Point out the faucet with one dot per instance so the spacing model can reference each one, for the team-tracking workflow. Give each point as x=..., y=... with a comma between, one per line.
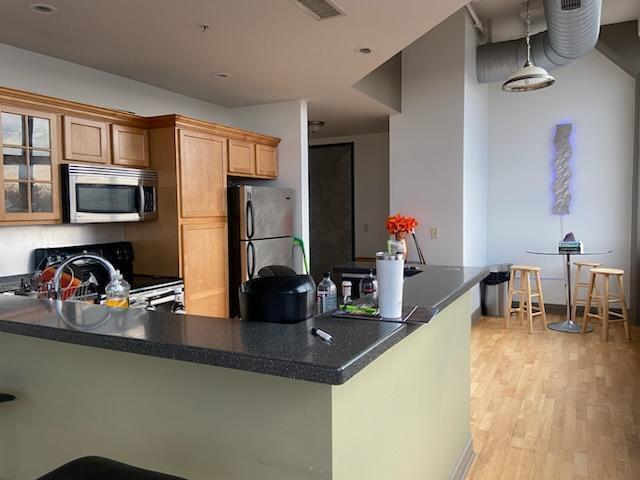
x=89, y=256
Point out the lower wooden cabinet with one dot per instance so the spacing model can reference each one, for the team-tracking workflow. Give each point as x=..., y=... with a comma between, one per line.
x=204, y=268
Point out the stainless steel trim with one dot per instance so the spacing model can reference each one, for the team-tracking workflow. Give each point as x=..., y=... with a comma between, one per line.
x=112, y=171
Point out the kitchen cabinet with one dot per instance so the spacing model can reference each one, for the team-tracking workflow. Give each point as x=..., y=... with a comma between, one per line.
x=86, y=140
x=242, y=157
x=130, y=146
x=203, y=180
x=29, y=174
x=266, y=161
x=248, y=159
x=204, y=268
x=189, y=239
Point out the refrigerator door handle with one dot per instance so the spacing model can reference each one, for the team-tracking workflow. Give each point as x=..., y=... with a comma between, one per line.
x=250, y=221
x=251, y=264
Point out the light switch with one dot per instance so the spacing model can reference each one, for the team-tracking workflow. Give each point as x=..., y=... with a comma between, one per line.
x=434, y=233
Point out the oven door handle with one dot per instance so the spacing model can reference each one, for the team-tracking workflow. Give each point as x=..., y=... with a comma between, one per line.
x=154, y=300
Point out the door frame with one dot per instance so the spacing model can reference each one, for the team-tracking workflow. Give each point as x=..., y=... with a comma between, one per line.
x=352, y=147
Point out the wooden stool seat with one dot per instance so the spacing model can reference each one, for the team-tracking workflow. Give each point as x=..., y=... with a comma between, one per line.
x=531, y=268
x=525, y=305
x=587, y=264
x=605, y=300
x=608, y=271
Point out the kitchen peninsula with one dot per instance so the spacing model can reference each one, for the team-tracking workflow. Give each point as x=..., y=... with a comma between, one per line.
x=206, y=398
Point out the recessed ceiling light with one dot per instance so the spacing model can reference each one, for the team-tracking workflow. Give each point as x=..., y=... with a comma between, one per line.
x=364, y=50
x=314, y=126
x=43, y=8
x=222, y=74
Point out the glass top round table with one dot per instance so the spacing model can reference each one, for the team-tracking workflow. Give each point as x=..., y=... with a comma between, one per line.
x=569, y=325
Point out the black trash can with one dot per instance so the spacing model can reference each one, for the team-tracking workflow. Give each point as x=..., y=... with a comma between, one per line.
x=494, y=290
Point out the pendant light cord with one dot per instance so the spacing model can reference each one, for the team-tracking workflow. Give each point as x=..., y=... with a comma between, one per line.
x=528, y=34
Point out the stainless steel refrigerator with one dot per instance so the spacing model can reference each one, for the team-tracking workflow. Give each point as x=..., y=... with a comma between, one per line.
x=260, y=233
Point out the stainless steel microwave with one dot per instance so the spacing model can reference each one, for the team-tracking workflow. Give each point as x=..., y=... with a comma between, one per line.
x=96, y=194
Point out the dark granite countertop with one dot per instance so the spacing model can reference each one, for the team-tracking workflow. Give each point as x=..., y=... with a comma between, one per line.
x=275, y=349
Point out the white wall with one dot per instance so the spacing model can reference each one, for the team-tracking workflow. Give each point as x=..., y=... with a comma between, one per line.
x=438, y=145
x=371, y=189
x=426, y=140
x=25, y=70
x=288, y=121
x=18, y=243
x=598, y=98
x=476, y=157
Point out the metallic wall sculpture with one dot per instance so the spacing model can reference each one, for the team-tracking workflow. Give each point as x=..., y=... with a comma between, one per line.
x=562, y=195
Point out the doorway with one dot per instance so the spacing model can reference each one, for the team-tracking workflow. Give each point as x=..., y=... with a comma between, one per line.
x=331, y=206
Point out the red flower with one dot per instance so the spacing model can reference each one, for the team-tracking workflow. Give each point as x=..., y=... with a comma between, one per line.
x=399, y=223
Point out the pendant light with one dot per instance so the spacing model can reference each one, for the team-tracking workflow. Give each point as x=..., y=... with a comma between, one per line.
x=529, y=77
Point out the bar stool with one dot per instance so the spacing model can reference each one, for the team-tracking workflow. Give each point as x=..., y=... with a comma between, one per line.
x=606, y=299
x=99, y=468
x=525, y=306
x=578, y=285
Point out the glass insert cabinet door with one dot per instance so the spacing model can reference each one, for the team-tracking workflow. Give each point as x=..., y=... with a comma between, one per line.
x=29, y=168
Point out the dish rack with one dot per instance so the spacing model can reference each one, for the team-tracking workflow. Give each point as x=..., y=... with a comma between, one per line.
x=72, y=289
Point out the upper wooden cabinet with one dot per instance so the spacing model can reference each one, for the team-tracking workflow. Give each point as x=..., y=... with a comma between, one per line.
x=203, y=174
x=29, y=174
x=242, y=157
x=266, y=161
x=247, y=159
x=86, y=140
x=130, y=146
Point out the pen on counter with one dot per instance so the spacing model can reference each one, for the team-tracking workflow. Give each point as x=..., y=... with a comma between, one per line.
x=322, y=334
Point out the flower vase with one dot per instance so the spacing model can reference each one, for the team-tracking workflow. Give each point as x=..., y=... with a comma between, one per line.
x=401, y=237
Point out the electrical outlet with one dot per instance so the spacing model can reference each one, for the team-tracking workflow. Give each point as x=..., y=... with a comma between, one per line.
x=434, y=233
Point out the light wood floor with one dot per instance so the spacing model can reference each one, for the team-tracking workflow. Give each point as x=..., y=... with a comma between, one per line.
x=554, y=405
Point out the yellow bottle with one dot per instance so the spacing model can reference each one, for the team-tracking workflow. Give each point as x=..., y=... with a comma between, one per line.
x=117, y=292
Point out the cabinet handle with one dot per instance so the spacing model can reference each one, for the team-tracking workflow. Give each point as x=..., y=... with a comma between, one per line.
x=5, y=397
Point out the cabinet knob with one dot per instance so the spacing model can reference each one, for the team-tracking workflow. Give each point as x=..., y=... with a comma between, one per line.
x=5, y=397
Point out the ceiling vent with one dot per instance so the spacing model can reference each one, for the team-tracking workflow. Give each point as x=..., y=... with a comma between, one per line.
x=320, y=9
x=570, y=4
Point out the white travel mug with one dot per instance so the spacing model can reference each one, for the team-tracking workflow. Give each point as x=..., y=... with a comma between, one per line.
x=390, y=275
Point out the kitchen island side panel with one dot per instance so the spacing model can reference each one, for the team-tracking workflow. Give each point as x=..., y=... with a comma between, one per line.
x=195, y=421
x=406, y=416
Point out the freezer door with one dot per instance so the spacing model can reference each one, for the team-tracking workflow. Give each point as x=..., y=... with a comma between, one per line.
x=256, y=254
x=265, y=212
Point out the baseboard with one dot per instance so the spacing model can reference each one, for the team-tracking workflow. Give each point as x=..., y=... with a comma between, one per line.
x=463, y=464
x=475, y=316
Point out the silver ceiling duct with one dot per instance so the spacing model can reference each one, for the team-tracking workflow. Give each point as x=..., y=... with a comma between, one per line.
x=573, y=29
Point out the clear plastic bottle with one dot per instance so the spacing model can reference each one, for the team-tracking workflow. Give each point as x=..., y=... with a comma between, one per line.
x=369, y=285
x=347, y=288
x=178, y=304
x=327, y=295
x=117, y=292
